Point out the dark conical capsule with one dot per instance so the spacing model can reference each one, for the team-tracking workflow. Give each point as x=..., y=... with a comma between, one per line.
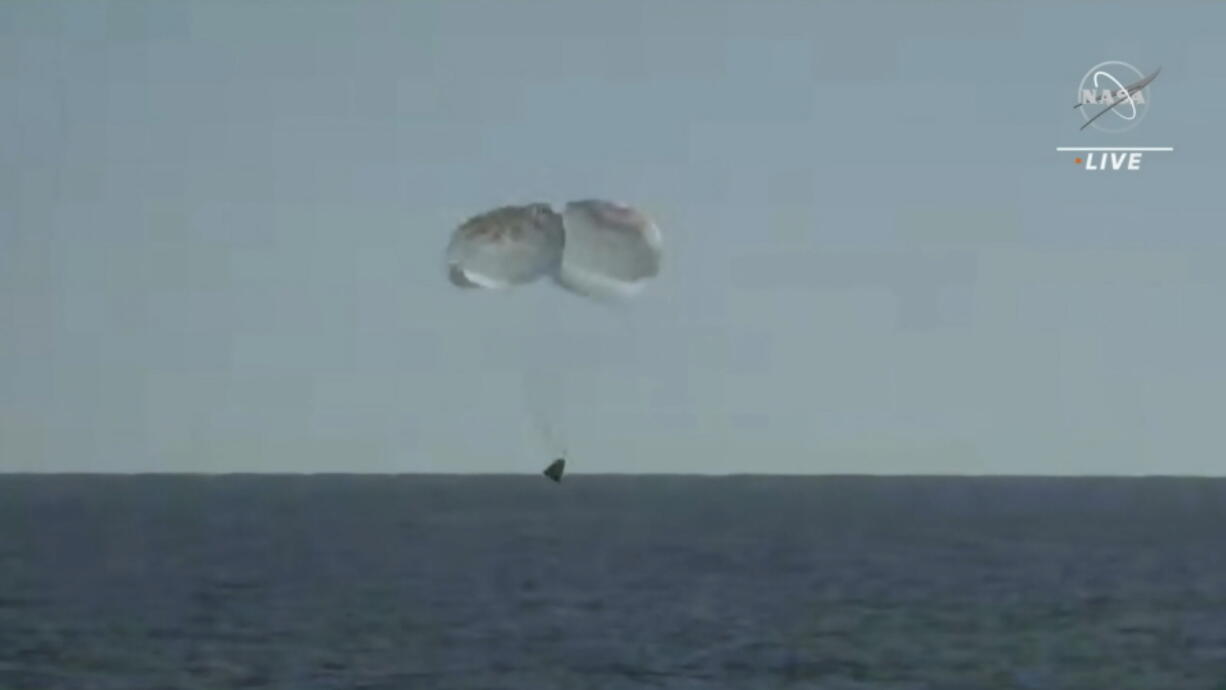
x=555, y=469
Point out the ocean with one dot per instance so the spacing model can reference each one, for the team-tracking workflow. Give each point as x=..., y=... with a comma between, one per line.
x=162, y=582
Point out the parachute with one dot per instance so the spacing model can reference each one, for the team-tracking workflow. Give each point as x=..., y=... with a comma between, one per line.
x=600, y=250
x=508, y=246
x=594, y=248
x=610, y=251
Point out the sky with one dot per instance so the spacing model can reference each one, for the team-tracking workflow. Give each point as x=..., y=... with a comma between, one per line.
x=222, y=228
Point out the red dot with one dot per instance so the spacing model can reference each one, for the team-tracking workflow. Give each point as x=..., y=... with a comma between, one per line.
x=1077, y=160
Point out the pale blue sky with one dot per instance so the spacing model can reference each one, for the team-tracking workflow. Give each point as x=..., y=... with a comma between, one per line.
x=222, y=224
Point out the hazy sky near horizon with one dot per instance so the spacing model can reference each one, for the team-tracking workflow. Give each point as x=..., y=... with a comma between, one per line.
x=222, y=225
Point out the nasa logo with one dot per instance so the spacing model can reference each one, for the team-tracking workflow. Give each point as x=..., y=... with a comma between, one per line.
x=1120, y=89
x=1113, y=97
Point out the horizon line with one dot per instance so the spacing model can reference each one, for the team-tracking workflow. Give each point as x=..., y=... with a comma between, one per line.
x=697, y=475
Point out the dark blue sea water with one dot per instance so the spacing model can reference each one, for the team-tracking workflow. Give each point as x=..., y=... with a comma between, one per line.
x=423, y=582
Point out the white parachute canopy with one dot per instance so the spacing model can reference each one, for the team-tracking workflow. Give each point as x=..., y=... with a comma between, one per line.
x=611, y=250
x=505, y=247
x=598, y=249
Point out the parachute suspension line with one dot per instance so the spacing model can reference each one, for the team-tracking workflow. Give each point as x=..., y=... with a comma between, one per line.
x=543, y=383
x=626, y=331
x=543, y=420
